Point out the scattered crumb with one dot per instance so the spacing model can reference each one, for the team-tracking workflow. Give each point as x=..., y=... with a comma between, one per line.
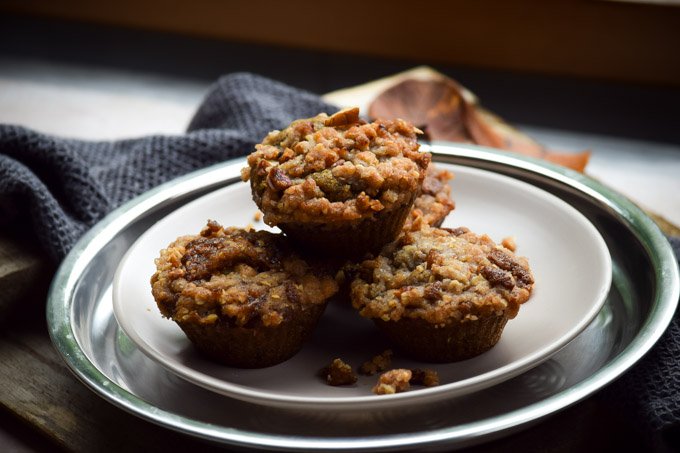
x=379, y=363
x=257, y=216
x=509, y=243
x=339, y=373
x=393, y=381
x=428, y=378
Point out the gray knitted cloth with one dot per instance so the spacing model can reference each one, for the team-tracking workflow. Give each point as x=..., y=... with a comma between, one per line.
x=59, y=188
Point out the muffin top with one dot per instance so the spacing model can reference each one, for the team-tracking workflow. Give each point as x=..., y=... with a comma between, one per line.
x=434, y=202
x=441, y=275
x=335, y=168
x=242, y=276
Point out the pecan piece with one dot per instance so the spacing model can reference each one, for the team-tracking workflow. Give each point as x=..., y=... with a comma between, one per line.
x=344, y=117
x=277, y=180
x=498, y=277
x=457, y=231
x=433, y=291
x=508, y=263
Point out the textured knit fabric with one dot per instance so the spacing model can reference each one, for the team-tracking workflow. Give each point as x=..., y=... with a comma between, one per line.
x=65, y=186
x=649, y=393
x=60, y=188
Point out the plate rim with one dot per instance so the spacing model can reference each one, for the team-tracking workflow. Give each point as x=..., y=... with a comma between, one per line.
x=371, y=402
x=667, y=284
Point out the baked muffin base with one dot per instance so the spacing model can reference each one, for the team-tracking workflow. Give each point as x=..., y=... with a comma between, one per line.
x=451, y=342
x=349, y=240
x=258, y=346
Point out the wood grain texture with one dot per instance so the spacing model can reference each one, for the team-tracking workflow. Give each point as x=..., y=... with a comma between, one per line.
x=39, y=389
x=610, y=40
x=23, y=272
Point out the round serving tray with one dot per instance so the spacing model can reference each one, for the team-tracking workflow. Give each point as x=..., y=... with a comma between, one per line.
x=644, y=294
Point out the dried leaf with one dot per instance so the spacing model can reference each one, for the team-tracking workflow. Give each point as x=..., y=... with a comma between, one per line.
x=447, y=111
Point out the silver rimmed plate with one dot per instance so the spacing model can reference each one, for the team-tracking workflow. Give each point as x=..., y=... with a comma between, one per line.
x=638, y=308
x=561, y=244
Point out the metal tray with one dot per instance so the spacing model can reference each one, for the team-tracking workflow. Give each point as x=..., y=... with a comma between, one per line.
x=643, y=297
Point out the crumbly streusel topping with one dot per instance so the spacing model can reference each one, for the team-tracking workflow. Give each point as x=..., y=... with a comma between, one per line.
x=377, y=364
x=339, y=373
x=338, y=168
x=426, y=377
x=246, y=276
x=434, y=202
x=441, y=275
x=393, y=381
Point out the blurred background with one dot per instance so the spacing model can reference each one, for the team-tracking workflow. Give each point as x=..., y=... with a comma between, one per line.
x=572, y=74
x=593, y=66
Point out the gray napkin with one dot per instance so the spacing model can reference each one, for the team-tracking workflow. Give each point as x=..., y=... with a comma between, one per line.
x=60, y=188
x=649, y=393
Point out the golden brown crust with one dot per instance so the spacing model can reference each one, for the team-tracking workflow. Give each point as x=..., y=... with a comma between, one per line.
x=442, y=276
x=242, y=297
x=241, y=276
x=442, y=295
x=335, y=169
x=434, y=202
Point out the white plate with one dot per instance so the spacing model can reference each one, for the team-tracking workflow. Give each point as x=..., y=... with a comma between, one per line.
x=569, y=259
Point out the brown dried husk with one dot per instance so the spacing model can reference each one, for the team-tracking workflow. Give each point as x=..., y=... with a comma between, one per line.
x=447, y=111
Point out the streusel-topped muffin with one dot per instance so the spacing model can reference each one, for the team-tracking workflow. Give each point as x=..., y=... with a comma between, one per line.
x=336, y=184
x=243, y=297
x=442, y=295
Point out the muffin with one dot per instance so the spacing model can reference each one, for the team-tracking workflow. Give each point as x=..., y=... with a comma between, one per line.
x=442, y=295
x=430, y=208
x=434, y=202
x=338, y=185
x=242, y=297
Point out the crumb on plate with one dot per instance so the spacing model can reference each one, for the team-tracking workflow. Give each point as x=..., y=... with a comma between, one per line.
x=378, y=363
x=339, y=373
x=428, y=378
x=393, y=381
x=509, y=243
